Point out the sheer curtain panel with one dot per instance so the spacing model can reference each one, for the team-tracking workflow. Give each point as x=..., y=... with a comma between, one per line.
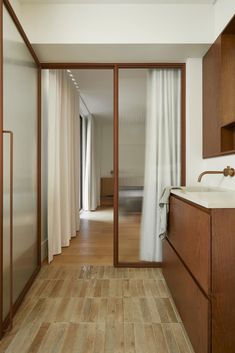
x=63, y=162
x=91, y=181
x=162, y=155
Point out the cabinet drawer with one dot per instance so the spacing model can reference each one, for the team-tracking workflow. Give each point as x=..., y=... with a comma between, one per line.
x=189, y=233
x=192, y=305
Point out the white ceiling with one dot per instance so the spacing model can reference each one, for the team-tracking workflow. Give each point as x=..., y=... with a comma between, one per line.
x=96, y=89
x=203, y=2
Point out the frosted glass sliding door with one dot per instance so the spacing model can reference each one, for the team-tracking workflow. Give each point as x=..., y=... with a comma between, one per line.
x=151, y=157
x=132, y=122
x=20, y=84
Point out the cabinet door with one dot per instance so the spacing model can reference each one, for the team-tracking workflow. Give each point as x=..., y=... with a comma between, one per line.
x=192, y=305
x=189, y=233
x=223, y=281
x=212, y=100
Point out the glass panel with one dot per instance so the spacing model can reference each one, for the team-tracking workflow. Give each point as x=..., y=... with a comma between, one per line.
x=132, y=111
x=149, y=158
x=20, y=116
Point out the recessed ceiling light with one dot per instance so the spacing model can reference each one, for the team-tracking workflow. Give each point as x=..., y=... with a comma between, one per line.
x=71, y=75
x=69, y=71
x=73, y=79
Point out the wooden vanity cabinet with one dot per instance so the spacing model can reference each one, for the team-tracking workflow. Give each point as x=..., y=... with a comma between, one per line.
x=199, y=268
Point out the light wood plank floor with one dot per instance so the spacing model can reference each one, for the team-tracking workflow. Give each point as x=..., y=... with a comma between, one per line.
x=97, y=309
x=94, y=242
x=129, y=237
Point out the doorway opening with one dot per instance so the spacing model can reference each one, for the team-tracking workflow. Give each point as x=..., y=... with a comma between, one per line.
x=79, y=120
x=117, y=103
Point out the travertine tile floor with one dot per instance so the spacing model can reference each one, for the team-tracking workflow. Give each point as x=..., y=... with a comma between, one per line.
x=96, y=309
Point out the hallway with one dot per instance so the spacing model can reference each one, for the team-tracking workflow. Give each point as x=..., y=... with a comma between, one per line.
x=94, y=242
x=97, y=309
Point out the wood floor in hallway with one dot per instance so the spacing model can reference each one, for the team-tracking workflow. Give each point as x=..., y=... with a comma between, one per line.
x=94, y=241
x=97, y=309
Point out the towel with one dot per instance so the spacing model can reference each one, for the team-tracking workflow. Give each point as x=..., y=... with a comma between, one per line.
x=164, y=209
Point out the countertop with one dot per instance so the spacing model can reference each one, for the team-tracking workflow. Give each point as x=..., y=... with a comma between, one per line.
x=207, y=197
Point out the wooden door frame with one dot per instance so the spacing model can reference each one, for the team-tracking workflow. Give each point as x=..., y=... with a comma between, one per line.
x=4, y=323
x=115, y=68
x=182, y=67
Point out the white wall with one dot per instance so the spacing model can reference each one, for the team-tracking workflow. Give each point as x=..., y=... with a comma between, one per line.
x=131, y=149
x=106, y=156
x=195, y=163
x=118, y=23
x=16, y=7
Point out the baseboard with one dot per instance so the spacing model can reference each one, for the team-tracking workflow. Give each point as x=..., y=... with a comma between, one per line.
x=44, y=249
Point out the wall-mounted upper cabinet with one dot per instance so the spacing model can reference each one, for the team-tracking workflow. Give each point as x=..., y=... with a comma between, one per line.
x=219, y=95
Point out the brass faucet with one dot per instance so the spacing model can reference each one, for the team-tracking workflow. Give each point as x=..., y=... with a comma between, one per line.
x=226, y=172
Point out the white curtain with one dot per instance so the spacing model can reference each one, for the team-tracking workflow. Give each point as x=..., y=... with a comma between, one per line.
x=91, y=178
x=162, y=156
x=84, y=145
x=63, y=162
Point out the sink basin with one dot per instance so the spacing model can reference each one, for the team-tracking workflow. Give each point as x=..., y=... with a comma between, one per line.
x=189, y=189
x=208, y=197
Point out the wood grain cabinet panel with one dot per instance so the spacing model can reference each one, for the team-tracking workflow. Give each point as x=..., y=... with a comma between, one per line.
x=192, y=305
x=202, y=239
x=218, y=95
x=223, y=281
x=189, y=233
x=211, y=99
